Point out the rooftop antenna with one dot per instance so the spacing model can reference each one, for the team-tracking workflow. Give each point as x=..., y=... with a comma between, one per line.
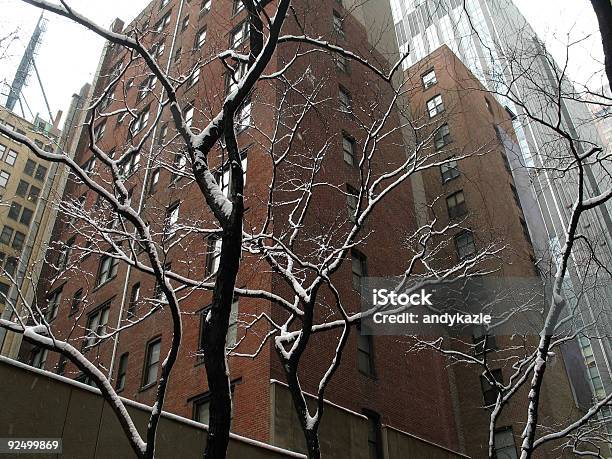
x=25, y=67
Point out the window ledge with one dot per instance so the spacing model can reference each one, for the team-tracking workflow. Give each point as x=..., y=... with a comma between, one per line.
x=147, y=387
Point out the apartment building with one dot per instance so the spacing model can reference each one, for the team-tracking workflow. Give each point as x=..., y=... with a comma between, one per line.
x=96, y=292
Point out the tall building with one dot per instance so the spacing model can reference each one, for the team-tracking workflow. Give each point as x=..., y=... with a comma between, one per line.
x=494, y=40
x=28, y=187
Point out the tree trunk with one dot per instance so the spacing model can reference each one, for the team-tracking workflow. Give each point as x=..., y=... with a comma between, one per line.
x=312, y=443
x=603, y=10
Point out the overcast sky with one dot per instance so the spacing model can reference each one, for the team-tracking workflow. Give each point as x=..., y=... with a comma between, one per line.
x=69, y=54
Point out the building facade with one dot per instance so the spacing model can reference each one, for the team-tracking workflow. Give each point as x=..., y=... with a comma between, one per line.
x=494, y=40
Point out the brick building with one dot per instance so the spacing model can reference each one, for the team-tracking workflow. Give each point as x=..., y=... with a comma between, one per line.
x=369, y=414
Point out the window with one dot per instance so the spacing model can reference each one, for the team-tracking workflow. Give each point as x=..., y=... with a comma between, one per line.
x=4, y=178
x=158, y=291
x=489, y=389
x=96, y=324
x=88, y=166
x=172, y=216
x=154, y=181
x=213, y=254
x=185, y=23
x=238, y=6
x=177, y=54
x=243, y=118
x=188, y=115
x=38, y=357
x=53, y=303
x=442, y=137
x=108, y=269
x=2, y=150
x=205, y=6
x=194, y=77
x=121, y=372
x=26, y=216
x=131, y=165
x=338, y=23
x=134, y=297
x=200, y=39
x=201, y=409
x=33, y=194
x=29, y=167
x=65, y=256
x=11, y=157
x=4, y=289
x=146, y=87
x=342, y=63
x=435, y=106
x=483, y=341
x=10, y=266
x=352, y=201
x=365, y=355
x=163, y=3
x=503, y=441
x=232, y=330
x=429, y=79
x=239, y=35
x=77, y=299
x=6, y=235
x=18, y=240
x=348, y=149
x=464, y=242
x=359, y=267
x=449, y=170
x=225, y=178
x=455, y=204
x=149, y=375
x=374, y=435
x=22, y=188
x=232, y=79
x=98, y=131
x=41, y=172
x=162, y=23
x=158, y=50
x=14, y=211
x=344, y=98
x=140, y=122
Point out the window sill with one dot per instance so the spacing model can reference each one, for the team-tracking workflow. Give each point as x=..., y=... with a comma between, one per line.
x=368, y=375
x=99, y=286
x=147, y=387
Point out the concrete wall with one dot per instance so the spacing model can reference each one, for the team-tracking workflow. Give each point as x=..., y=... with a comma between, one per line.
x=39, y=404
x=344, y=433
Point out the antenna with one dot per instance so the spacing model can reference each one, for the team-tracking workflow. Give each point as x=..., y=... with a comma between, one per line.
x=25, y=66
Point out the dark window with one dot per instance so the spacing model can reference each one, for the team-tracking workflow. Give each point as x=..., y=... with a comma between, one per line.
x=185, y=23
x=464, y=243
x=149, y=374
x=359, y=268
x=442, y=137
x=108, y=269
x=6, y=235
x=154, y=181
x=38, y=357
x=29, y=167
x=134, y=297
x=96, y=324
x=41, y=173
x=483, y=342
x=14, y=211
x=77, y=299
x=26, y=216
x=232, y=330
x=345, y=100
x=365, y=353
x=121, y=372
x=22, y=188
x=449, y=171
x=489, y=388
x=213, y=254
x=503, y=442
x=53, y=304
x=338, y=23
x=348, y=149
x=352, y=201
x=10, y=266
x=374, y=435
x=18, y=240
x=33, y=194
x=200, y=39
x=455, y=204
x=238, y=6
x=4, y=289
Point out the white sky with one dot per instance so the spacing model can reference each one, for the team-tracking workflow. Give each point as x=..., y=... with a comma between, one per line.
x=69, y=54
